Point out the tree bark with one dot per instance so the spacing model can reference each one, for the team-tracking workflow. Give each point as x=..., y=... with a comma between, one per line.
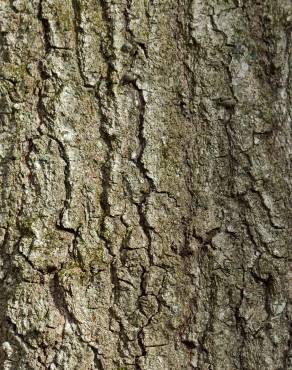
x=146, y=181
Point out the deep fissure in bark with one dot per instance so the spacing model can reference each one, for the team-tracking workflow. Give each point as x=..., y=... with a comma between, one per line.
x=146, y=200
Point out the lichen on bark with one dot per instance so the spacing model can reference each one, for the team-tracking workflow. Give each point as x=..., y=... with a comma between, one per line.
x=145, y=205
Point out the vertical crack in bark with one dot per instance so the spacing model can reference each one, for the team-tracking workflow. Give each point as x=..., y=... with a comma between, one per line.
x=67, y=180
x=289, y=74
x=152, y=188
x=228, y=102
x=60, y=301
x=45, y=28
x=22, y=338
x=240, y=321
x=62, y=222
x=140, y=332
x=97, y=361
x=77, y=27
x=104, y=196
x=150, y=318
x=40, y=105
x=141, y=207
x=31, y=177
x=267, y=209
x=105, y=93
x=139, y=163
x=106, y=166
x=59, y=298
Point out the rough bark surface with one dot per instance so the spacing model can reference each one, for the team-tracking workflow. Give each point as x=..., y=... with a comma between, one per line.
x=146, y=190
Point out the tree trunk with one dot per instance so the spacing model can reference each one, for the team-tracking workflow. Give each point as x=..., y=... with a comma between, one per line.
x=145, y=162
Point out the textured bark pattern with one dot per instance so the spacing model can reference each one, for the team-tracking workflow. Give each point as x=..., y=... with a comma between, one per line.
x=145, y=148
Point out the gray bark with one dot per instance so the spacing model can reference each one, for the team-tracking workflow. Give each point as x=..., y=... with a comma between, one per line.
x=145, y=204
